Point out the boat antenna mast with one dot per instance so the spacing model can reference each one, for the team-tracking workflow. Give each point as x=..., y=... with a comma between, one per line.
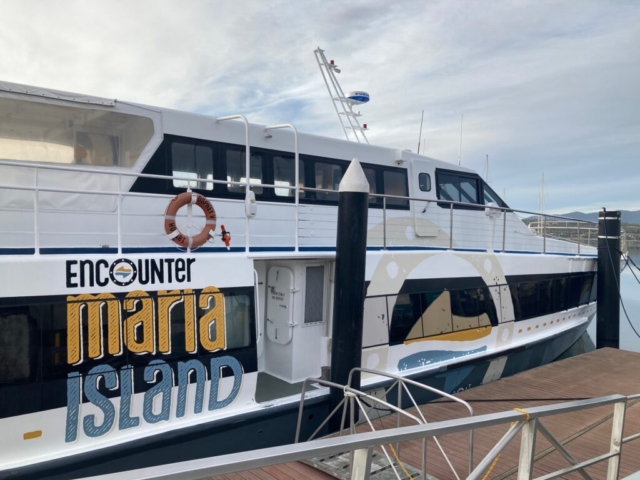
x=343, y=104
x=420, y=134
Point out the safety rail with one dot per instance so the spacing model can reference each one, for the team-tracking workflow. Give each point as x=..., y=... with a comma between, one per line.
x=353, y=396
x=528, y=421
x=304, y=222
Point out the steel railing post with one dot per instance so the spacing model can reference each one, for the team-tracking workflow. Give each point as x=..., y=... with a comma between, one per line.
x=504, y=230
x=384, y=223
x=361, y=468
x=544, y=234
x=578, y=238
x=616, y=440
x=451, y=227
x=119, y=213
x=36, y=235
x=247, y=168
x=527, y=450
x=296, y=174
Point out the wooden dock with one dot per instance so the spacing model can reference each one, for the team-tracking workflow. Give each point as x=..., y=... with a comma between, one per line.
x=584, y=434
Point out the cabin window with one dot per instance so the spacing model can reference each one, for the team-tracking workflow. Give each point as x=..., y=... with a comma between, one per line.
x=424, y=182
x=370, y=173
x=327, y=177
x=594, y=289
x=545, y=297
x=42, y=132
x=395, y=183
x=560, y=294
x=489, y=196
x=190, y=160
x=284, y=172
x=235, y=160
x=15, y=365
x=585, y=293
x=237, y=314
x=314, y=295
x=575, y=287
x=405, y=318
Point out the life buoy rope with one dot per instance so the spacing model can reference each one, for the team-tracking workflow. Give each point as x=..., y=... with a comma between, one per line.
x=171, y=229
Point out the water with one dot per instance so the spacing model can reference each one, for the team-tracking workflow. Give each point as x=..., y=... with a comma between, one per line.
x=630, y=292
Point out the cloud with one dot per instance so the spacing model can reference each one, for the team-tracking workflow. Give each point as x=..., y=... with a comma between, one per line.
x=544, y=86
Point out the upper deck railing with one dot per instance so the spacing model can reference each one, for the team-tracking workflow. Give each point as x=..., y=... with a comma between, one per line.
x=38, y=209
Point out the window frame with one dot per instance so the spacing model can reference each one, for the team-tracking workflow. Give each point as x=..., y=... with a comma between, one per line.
x=479, y=193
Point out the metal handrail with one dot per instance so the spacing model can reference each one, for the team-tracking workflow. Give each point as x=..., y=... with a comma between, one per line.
x=526, y=422
x=401, y=383
x=37, y=188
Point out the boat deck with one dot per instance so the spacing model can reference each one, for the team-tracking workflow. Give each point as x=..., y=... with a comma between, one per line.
x=584, y=434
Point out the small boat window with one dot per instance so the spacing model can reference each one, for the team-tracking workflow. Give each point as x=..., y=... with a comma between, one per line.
x=328, y=177
x=424, y=181
x=191, y=160
x=395, y=183
x=314, y=295
x=236, y=169
x=15, y=362
x=237, y=316
x=370, y=173
x=284, y=171
x=42, y=132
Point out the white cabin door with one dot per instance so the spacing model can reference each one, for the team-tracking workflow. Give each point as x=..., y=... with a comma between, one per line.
x=280, y=289
x=423, y=187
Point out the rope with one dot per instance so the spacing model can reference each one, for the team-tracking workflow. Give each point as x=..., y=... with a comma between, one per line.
x=393, y=450
x=527, y=417
x=486, y=475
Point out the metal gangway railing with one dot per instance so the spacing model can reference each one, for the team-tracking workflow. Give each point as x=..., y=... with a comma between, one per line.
x=574, y=231
x=357, y=400
x=526, y=422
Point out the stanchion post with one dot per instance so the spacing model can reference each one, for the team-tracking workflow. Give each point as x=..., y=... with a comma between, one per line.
x=608, y=316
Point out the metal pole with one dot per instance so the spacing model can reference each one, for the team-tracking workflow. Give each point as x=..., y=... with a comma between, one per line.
x=504, y=230
x=527, y=450
x=384, y=223
x=36, y=198
x=451, y=227
x=616, y=440
x=247, y=167
x=578, y=238
x=119, y=213
x=544, y=234
x=349, y=288
x=608, y=313
x=296, y=175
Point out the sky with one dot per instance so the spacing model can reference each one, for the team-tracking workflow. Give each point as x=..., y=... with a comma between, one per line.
x=547, y=87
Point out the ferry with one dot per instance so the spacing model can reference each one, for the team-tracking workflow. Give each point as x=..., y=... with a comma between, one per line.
x=167, y=281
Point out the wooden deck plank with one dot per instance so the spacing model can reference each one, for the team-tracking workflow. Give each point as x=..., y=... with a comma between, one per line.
x=599, y=373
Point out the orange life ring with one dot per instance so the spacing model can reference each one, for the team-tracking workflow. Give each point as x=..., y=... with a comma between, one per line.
x=171, y=229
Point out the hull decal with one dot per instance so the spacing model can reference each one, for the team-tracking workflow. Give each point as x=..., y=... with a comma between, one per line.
x=422, y=359
x=462, y=336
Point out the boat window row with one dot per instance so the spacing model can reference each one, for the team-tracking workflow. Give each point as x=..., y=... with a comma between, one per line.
x=436, y=312
x=47, y=339
x=190, y=159
x=424, y=314
x=454, y=186
x=536, y=298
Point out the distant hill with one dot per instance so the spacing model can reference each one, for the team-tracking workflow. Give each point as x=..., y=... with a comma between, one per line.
x=628, y=216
